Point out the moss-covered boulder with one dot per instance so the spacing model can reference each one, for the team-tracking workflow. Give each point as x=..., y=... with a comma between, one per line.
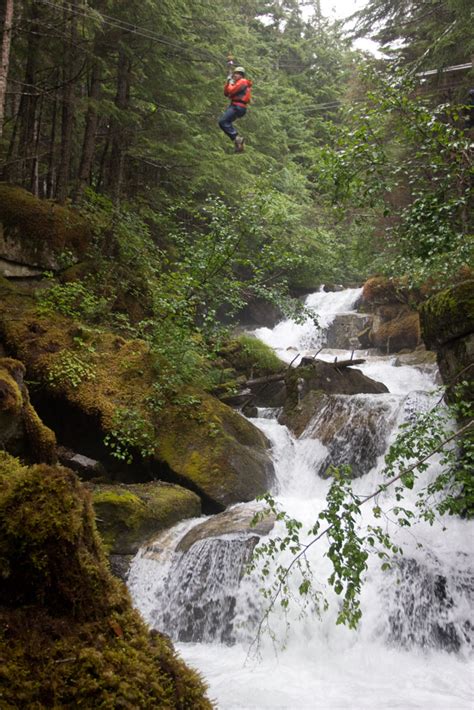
x=37, y=232
x=102, y=385
x=21, y=430
x=129, y=515
x=68, y=634
x=251, y=357
x=216, y=452
x=448, y=315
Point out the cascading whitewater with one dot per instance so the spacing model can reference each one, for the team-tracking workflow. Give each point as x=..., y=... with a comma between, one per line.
x=200, y=594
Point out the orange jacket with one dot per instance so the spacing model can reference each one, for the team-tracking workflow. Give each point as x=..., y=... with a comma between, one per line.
x=239, y=93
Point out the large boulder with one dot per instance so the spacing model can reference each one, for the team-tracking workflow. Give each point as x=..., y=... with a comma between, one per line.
x=395, y=325
x=307, y=386
x=219, y=454
x=69, y=635
x=349, y=428
x=449, y=315
x=344, y=332
x=129, y=515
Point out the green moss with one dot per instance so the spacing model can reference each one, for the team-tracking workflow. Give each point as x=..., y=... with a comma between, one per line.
x=250, y=356
x=128, y=515
x=11, y=400
x=18, y=417
x=68, y=634
x=42, y=223
x=448, y=315
x=211, y=448
x=217, y=452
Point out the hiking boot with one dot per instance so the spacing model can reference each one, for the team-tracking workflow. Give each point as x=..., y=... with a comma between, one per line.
x=239, y=144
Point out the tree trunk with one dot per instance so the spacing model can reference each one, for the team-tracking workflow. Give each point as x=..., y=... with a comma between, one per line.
x=5, y=57
x=24, y=128
x=119, y=138
x=67, y=115
x=90, y=132
x=51, y=174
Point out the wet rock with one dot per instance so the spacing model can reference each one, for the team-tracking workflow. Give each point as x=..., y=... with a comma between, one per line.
x=237, y=519
x=447, y=321
x=349, y=428
x=318, y=379
x=84, y=466
x=395, y=325
x=344, y=332
x=200, y=597
x=395, y=328
x=448, y=315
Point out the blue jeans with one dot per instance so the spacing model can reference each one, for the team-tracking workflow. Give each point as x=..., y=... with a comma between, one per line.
x=230, y=115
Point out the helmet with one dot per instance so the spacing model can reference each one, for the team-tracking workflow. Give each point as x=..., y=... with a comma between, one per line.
x=239, y=70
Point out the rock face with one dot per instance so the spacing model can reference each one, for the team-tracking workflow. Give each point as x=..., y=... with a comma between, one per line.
x=345, y=330
x=395, y=325
x=307, y=387
x=349, y=428
x=447, y=322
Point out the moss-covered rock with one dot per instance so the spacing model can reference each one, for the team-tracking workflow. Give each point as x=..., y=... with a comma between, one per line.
x=21, y=430
x=68, y=634
x=448, y=315
x=251, y=357
x=129, y=515
x=36, y=232
x=109, y=380
x=216, y=452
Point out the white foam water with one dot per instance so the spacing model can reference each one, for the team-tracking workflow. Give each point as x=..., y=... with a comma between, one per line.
x=413, y=647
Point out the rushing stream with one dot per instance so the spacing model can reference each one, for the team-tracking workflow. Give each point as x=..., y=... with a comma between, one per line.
x=413, y=648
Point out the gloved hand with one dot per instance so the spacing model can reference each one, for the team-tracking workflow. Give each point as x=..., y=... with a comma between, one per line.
x=229, y=78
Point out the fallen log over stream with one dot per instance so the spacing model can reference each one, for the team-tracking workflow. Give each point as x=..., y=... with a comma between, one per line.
x=245, y=391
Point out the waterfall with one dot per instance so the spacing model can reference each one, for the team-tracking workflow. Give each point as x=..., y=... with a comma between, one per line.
x=413, y=648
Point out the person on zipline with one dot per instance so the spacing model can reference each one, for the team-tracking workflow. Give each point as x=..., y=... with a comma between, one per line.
x=237, y=88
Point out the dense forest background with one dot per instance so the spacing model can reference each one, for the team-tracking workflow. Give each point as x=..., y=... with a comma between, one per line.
x=354, y=165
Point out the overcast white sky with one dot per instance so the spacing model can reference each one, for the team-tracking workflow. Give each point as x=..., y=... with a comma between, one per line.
x=344, y=8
